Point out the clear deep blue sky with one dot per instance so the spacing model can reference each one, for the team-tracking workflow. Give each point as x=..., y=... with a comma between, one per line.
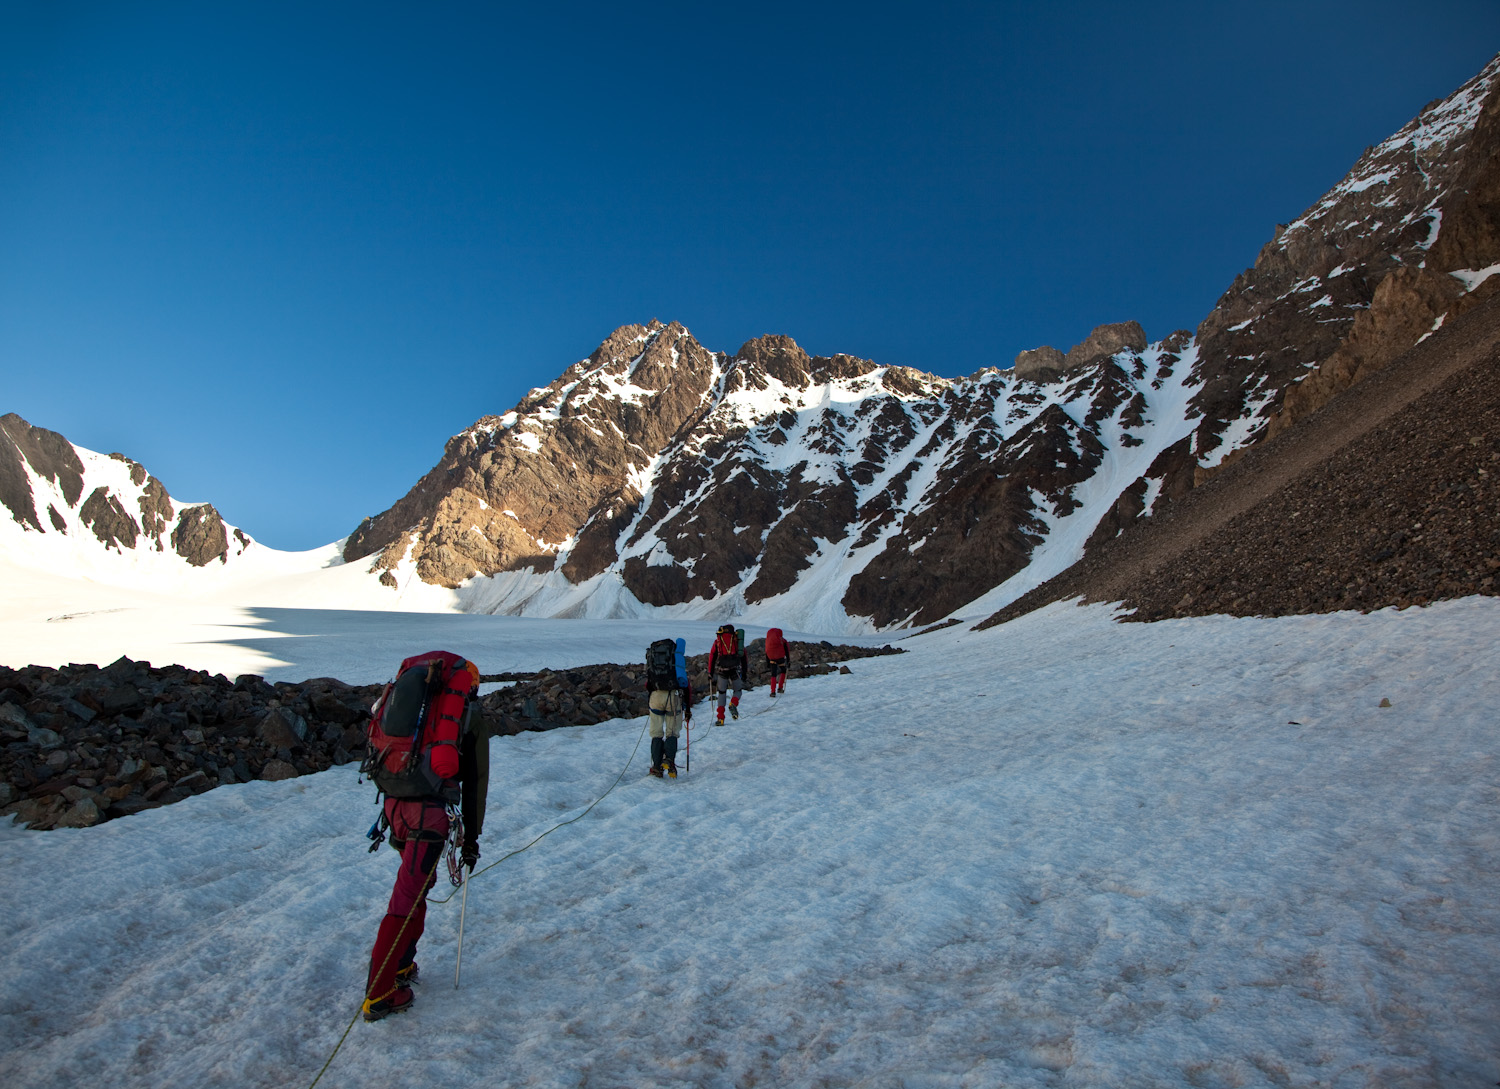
x=280, y=252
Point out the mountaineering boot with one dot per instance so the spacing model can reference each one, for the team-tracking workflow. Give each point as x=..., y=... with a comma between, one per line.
x=384, y=994
x=408, y=974
x=657, y=747
x=669, y=758
x=773, y=690
x=734, y=707
x=398, y=1001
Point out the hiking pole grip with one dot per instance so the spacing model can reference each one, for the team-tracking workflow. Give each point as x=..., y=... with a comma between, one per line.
x=463, y=907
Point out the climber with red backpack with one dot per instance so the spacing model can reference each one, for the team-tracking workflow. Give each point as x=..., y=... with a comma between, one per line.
x=728, y=665
x=430, y=760
x=777, y=657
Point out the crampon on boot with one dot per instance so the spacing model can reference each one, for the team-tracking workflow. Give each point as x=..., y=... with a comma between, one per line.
x=398, y=1001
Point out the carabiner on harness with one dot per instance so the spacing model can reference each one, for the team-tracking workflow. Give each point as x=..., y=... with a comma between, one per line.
x=455, y=846
x=376, y=834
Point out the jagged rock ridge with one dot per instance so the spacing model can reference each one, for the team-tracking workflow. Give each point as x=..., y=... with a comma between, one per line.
x=694, y=478
x=50, y=486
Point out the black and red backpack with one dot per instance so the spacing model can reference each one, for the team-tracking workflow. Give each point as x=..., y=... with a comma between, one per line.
x=412, y=742
x=725, y=651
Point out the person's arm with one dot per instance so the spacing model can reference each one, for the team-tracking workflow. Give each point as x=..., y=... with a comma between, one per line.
x=475, y=782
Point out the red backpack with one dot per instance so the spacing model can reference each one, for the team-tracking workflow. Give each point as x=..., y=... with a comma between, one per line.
x=411, y=748
x=725, y=650
x=775, y=644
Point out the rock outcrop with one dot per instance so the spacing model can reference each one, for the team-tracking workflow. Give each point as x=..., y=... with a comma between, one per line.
x=1106, y=341
x=83, y=744
x=1047, y=364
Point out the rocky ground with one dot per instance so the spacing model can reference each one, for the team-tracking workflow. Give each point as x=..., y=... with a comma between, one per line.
x=1387, y=496
x=82, y=744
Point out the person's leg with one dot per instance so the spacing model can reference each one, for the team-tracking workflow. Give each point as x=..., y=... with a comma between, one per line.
x=420, y=830
x=659, y=704
x=673, y=728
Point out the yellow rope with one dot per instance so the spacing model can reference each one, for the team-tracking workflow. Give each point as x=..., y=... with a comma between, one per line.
x=473, y=874
x=365, y=1004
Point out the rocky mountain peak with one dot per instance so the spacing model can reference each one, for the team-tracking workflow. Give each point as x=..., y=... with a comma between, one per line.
x=1105, y=341
x=1048, y=364
x=111, y=499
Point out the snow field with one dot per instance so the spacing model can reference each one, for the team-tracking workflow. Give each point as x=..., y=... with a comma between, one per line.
x=1062, y=852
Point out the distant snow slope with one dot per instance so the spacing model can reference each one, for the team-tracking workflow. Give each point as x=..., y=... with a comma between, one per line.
x=82, y=532
x=1060, y=852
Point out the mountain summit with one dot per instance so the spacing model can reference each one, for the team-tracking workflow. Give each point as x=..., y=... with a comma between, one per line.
x=831, y=490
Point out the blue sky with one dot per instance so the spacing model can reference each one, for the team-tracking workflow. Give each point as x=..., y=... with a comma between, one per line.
x=280, y=252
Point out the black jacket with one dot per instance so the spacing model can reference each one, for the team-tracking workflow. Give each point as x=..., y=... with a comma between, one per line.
x=474, y=779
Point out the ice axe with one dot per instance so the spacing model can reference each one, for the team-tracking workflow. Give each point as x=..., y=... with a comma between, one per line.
x=463, y=907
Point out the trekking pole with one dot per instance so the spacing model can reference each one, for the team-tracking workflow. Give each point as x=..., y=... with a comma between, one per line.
x=463, y=907
x=687, y=756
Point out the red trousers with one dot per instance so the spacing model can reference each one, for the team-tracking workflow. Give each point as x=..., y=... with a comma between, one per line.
x=418, y=830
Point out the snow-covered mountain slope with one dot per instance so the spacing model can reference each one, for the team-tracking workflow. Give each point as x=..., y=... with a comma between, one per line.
x=798, y=490
x=74, y=522
x=73, y=507
x=1214, y=861
x=837, y=494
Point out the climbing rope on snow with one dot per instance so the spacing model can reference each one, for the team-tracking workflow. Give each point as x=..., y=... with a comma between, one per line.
x=559, y=824
x=431, y=872
x=510, y=854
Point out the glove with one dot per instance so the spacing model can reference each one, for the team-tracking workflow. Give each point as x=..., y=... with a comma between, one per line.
x=471, y=852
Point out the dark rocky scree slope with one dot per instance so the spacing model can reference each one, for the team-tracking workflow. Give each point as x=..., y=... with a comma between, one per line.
x=80, y=744
x=1389, y=495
